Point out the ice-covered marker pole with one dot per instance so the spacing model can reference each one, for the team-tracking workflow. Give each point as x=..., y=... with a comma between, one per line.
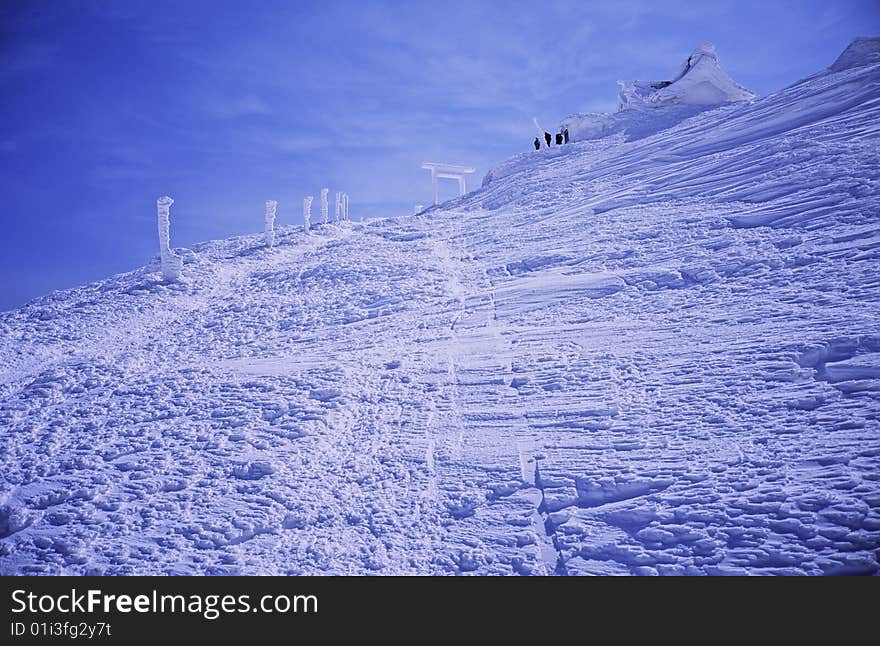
x=270, y=222
x=325, y=208
x=169, y=262
x=338, y=205
x=540, y=132
x=307, y=212
x=345, y=206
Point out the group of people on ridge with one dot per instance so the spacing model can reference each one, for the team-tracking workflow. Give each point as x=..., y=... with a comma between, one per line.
x=561, y=138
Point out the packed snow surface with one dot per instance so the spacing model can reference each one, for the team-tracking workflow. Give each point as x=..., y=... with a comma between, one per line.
x=657, y=355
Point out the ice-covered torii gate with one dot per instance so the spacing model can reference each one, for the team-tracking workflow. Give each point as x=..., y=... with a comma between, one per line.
x=448, y=171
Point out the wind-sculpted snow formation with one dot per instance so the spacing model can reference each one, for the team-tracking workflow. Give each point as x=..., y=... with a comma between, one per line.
x=622, y=356
x=645, y=107
x=699, y=81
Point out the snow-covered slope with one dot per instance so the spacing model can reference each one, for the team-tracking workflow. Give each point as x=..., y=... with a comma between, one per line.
x=627, y=357
x=861, y=52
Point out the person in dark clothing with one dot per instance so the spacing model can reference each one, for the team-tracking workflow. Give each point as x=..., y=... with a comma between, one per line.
x=537, y=144
x=565, y=135
x=548, y=138
x=558, y=138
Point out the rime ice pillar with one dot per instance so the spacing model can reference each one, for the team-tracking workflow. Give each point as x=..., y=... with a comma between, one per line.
x=270, y=222
x=307, y=212
x=338, y=205
x=345, y=207
x=448, y=171
x=170, y=263
x=324, y=206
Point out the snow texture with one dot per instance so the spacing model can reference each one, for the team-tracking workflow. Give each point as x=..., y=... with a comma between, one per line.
x=271, y=205
x=643, y=356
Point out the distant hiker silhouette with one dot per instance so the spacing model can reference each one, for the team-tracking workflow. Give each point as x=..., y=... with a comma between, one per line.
x=558, y=138
x=548, y=138
x=565, y=135
x=537, y=144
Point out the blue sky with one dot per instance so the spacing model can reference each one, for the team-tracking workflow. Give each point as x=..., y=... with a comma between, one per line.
x=108, y=104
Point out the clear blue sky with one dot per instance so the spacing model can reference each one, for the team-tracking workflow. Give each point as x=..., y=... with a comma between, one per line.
x=223, y=104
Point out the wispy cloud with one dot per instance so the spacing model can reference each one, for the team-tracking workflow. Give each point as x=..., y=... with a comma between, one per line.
x=240, y=106
x=108, y=103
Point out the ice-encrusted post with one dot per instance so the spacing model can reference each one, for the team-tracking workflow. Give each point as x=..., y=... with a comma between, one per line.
x=169, y=262
x=270, y=222
x=338, y=205
x=324, y=206
x=307, y=212
x=345, y=207
x=541, y=139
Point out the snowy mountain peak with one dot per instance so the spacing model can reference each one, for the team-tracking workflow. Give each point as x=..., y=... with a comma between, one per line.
x=697, y=84
x=699, y=81
x=861, y=51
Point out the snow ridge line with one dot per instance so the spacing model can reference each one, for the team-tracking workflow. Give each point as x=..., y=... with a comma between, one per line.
x=547, y=554
x=548, y=545
x=548, y=548
x=559, y=568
